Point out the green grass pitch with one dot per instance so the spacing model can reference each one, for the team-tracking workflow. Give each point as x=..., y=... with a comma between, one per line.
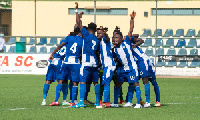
x=21, y=96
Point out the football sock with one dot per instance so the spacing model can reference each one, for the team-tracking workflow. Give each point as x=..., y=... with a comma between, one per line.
x=156, y=89
x=82, y=93
x=97, y=92
x=74, y=93
x=121, y=93
x=101, y=90
x=147, y=92
x=70, y=89
x=138, y=94
x=116, y=94
x=65, y=91
x=45, y=90
x=58, y=89
x=87, y=91
x=130, y=93
x=107, y=93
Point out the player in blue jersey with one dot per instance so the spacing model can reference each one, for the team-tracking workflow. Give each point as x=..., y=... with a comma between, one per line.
x=128, y=71
x=108, y=64
x=146, y=70
x=71, y=65
x=53, y=72
x=89, y=67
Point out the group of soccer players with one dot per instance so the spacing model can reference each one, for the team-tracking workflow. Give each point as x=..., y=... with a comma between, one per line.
x=81, y=56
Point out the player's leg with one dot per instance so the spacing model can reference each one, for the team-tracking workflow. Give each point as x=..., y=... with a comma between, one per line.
x=95, y=78
x=130, y=93
x=86, y=101
x=101, y=86
x=65, y=92
x=50, y=76
x=116, y=93
x=70, y=89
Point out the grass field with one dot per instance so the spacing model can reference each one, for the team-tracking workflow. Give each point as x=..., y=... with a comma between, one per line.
x=21, y=96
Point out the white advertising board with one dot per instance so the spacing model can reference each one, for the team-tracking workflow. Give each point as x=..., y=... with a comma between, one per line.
x=24, y=63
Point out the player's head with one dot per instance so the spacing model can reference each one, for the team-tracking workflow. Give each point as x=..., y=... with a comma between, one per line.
x=92, y=28
x=118, y=39
x=101, y=32
x=117, y=29
x=77, y=31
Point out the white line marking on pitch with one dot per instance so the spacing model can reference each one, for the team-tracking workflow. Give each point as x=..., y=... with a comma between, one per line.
x=18, y=109
x=181, y=103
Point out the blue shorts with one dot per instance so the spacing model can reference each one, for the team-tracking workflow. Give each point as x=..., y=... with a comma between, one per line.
x=143, y=68
x=89, y=74
x=70, y=70
x=130, y=77
x=107, y=76
x=53, y=72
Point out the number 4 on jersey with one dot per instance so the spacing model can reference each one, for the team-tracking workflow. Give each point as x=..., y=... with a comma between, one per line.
x=73, y=48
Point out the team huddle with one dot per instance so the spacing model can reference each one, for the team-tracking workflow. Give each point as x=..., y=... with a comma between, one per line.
x=82, y=57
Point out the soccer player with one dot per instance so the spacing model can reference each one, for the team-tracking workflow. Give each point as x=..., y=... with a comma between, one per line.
x=89, y=67
x=71, y=65
x=108, y=64
x=129, y=71
x=146, y=70
x=53, y=72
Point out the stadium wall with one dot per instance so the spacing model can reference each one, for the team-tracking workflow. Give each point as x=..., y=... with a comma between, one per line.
x=52, y=18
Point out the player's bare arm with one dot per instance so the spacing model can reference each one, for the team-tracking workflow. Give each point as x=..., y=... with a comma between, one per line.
x=131, y=24
x=78, y=20
x=56, y=50
x=138, y=42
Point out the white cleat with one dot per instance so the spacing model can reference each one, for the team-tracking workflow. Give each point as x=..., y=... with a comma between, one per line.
x=44, y=104
x=147, y=105
x=128, y=104
x=66, y=103
x=76, y=101
x=114, y=105
x=138, y=106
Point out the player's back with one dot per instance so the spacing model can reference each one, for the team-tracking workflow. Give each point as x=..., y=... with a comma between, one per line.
x=73, y=49
x=90, y=48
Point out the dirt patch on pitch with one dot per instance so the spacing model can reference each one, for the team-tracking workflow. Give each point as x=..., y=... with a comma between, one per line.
x=195, y=77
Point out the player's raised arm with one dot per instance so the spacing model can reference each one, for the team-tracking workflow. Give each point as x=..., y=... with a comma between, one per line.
x=56, y=50
x=78, y=20
x=131, y=24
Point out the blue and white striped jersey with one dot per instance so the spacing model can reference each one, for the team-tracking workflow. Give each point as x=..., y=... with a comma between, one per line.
x=90, y=48
x=73, y=49
x=106, y=54
x=137, y=52
x=125, y=55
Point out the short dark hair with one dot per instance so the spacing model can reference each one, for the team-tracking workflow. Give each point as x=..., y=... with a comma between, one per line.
x=77, y=30
x=120, y=33
x=92, y=26
x=117, y=29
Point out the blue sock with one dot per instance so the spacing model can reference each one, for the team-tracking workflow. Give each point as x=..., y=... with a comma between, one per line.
x=74, y=93
x=138, y=94
x=130, y=93
x=97, y=92
x=107, y=93
x=87, y=91
x=65, y=91
x=70, y=89
x=147, y=92
x=82, y=93
x=156, y=89
x=58, y=89
x=45, y=90
x=116, y=94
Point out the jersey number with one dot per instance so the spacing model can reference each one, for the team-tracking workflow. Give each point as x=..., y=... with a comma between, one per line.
x=94, y=43
x=62, y=51
x=73, y=48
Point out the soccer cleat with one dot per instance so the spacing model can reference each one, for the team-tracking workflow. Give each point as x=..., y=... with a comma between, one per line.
x=44, y=104
x=142, y=103
x=114, y=105
x=128, y=104
x=87, y=102
x=147, y=105
x=157, y=104
x=54, y=104
x=76, y=101
x=65, y=103
x=79, y=105
x=106, y=105
x=72, y=104
x=101, y=102
x=138, y=106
